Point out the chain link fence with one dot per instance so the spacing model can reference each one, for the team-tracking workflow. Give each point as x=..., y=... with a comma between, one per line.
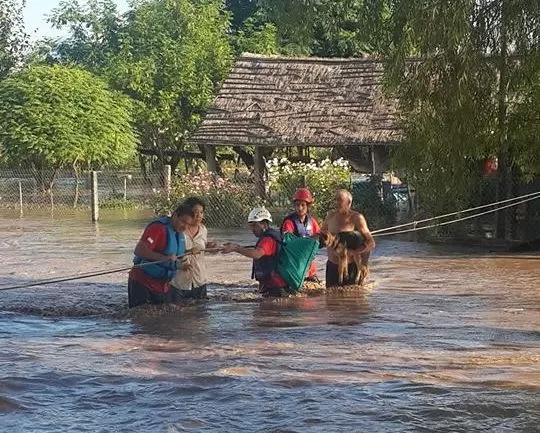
x=28, y=191
x=228, y=198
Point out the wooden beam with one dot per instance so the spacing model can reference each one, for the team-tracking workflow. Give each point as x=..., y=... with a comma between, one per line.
x=258, y=172
x=185, y=154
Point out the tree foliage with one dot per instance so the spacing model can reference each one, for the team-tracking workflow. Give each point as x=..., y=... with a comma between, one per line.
x=53, y=116
x=256, y=35
x=13, y=39
x=94, y=29
x=467, y=95
x=168, y=56
x=330, y=28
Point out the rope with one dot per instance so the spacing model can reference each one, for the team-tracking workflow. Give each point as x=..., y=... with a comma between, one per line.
x=415, y=228
x=536, y=194
x=87, y=275
x=94, y=274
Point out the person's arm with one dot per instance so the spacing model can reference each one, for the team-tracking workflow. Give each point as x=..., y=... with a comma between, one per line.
x=252, y=253
x=208, y=245
x=316, y=227
x=326, y=222
x=287, y=226
x=142, y=250
x=153, y=238
x=212, y=245
x=360, y=224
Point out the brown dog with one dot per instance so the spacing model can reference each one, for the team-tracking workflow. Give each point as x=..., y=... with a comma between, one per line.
x=344, y=244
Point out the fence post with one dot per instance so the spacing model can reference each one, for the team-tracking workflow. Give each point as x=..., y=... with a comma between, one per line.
x=94, y=198
x=168, y=180
x=125, y=188
x=20, y=198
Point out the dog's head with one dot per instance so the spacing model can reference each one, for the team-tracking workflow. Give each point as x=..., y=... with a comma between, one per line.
x=330, y=240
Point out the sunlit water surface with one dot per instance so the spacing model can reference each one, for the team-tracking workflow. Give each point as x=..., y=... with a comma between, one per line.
x=448, y=340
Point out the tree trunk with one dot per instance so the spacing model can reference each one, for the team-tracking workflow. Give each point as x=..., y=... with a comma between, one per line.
x=246, y=157
x=175, y=160
x=210, y=158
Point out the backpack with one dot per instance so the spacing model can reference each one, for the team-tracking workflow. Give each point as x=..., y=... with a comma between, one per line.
x=294, y=258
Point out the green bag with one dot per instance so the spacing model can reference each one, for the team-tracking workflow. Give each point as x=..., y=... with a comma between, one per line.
x=295, y=257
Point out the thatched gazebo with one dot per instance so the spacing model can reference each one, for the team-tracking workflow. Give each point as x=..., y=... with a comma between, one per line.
x=283, y=102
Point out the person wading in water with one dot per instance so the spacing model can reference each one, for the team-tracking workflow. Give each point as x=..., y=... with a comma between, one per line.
x=301, y=223
x=344, y=219
x=191, y=283
x=162, y=240
x=264, y=254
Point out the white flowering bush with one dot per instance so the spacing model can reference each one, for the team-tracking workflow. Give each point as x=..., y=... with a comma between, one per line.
x=227, y=203
x=323, y=178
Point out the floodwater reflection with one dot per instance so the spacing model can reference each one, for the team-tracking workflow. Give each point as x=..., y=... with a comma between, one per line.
x=446, y=341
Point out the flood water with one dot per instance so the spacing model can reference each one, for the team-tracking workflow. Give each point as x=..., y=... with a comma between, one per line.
x=448, y=340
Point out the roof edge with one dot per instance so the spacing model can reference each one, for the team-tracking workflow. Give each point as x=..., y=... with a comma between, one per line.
x=280, y=58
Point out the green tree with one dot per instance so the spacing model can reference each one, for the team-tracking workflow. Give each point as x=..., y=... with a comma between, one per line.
x=256, y=35
x=241, y=10
x=464, y=96
x=94, y=28
x=330, y=28
x=55, y=116
x=13, y=39
x=174, y=55
x=168, y=56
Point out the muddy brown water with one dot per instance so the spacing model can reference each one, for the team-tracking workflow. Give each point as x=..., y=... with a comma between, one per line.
x=448, y=340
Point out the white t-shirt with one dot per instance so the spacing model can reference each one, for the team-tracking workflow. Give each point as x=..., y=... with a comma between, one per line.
x=196, y=276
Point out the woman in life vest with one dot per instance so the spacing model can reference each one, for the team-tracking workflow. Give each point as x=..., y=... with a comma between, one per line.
x=301, y=223
x=264, y=254
x=192, y=282
x=162, y=240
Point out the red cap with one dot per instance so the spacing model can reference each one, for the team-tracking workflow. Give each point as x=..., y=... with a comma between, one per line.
x=303, y=194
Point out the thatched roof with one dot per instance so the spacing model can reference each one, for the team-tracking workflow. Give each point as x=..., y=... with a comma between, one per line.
x=277, y=101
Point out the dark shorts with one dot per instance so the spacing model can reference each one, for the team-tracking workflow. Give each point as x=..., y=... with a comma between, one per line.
x=195, y=293
x=138, y=294
x=332, y=275
x=276, y=292
x=267, y=290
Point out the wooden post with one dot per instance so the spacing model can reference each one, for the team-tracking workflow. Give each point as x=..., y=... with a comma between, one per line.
x=168, y=181
x=20, y=199
x=51, y=196
x=125, y=188
x=259, y=172
x=210, y=158
x=373, y=165
x=94, y=198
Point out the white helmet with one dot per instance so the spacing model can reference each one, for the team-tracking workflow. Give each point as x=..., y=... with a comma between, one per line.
x=259, y=214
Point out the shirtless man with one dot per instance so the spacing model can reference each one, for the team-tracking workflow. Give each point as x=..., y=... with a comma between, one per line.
x=343, y=219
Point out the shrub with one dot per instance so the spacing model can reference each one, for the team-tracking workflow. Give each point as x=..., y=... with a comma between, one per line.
x=322, y=178
x=227, y=203
x=367, y=199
